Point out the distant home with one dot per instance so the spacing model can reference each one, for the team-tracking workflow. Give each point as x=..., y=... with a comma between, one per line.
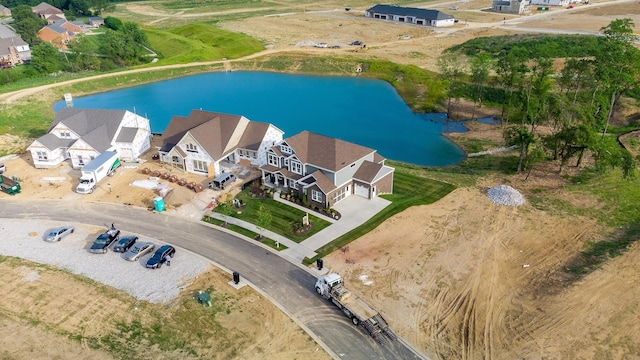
x=4, y=11
x=80, y=135
x=410, y=15
x=57, y=35
x=14, y=51
x=554, y=2
x=203, y=141
x=96, y=21
x=48, y=12
x=6, y=32
x=326, y=170
x=510, y=6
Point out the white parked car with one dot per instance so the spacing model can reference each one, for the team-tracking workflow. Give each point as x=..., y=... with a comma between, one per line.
x=56, y=234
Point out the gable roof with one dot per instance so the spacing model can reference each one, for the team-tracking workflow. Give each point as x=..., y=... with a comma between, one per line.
x=127, y=134
x=44, y=8
x=217, y=133
x=5, y=44
x=55, y=28
x=53, y=142
x=6, y=32
x=325, y=152
x=4, y=10
x=367, y=171
x=321, y=180
x=409, y=11
x=95, y=127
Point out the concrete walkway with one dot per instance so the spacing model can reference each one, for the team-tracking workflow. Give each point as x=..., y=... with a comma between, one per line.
x=355, y=211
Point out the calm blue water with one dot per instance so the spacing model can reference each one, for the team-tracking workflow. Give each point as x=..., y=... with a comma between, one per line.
x=363, y=111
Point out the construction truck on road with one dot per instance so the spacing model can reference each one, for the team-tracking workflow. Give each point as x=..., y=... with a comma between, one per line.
x=331, y=287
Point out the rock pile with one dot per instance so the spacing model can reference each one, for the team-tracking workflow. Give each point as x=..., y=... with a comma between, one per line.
x=505, y=195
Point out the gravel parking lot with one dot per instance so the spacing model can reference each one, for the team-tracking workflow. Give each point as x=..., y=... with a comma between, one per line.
x=24, y=239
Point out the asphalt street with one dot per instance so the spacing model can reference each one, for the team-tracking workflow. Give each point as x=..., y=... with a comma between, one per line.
x=288, y=285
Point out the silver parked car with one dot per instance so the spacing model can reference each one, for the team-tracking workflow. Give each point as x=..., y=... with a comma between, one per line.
x=56, y=234
x=139, y=250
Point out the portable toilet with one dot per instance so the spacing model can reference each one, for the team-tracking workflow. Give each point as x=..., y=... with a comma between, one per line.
x=159, y=203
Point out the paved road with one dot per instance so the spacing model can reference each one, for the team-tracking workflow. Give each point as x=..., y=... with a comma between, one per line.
x=289, y=285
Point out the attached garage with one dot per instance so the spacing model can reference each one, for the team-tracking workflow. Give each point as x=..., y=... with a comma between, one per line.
x=361, y=190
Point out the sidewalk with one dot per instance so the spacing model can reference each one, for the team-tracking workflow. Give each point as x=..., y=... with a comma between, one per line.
x=355, y=211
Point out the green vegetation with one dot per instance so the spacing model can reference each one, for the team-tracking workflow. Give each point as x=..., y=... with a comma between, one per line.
x=411, y=188
x=248, y=233
x=198, y=43
x=283, y=217
x=535, y=45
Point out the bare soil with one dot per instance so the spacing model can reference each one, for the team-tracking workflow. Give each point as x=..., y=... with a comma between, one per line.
x=460, y=279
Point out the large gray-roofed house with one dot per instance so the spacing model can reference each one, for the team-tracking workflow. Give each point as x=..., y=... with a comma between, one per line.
x=6, y=32
x=14, y=51
x=326, y=170
x=417, y=16
x=80, y=135
x=4, y=11
x=202, y=141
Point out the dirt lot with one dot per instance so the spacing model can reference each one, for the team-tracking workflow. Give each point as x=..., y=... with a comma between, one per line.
x=461, y=278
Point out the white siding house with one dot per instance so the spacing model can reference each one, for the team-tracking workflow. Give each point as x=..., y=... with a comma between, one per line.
x=80, y=135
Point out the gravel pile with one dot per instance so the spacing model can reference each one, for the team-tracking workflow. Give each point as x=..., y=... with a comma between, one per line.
x=24, y=239
x=505, y=195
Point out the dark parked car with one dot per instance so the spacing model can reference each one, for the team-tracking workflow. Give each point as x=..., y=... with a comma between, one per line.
x=125, y=243
x=160, y=256
x=105, y=239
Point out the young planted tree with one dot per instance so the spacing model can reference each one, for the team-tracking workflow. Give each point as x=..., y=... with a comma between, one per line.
x=263, y=219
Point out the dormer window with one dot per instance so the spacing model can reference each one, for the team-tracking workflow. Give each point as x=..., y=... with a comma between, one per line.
x=191, y=148
x=65, y=134
x=285, y=149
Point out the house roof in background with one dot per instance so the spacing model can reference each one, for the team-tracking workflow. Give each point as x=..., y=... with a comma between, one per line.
x=6, y=32
x=44, y=8
x=426, y=14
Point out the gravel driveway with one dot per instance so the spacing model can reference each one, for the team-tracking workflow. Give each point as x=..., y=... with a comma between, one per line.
x=24, y=239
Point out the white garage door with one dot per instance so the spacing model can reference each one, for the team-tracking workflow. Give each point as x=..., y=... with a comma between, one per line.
x=362, y=191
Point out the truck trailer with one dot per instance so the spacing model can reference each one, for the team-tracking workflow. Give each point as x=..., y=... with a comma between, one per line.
x=100, y=167
x=331, y=287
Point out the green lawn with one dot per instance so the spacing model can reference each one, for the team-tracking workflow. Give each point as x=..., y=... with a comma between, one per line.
x=411, y=188
x=283, y=216
x=248, y=233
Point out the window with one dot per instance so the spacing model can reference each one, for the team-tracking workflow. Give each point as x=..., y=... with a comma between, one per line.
x=80, y=160
x=175, y=159
x=254, y=154
x=286, y=162
x=42, y=155
x=199, y=166
x=341, y=194
x=316, y=196
x=293, y=184
x=191, y=148
x=273, y=160
x=295, y=167
x=241, y=152
x=285, y=149
x=65, y=134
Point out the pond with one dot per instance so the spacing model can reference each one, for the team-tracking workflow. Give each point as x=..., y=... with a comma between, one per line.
x=363, y=111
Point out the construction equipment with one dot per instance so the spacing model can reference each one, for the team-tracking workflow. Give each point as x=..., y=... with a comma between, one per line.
x=331, y=287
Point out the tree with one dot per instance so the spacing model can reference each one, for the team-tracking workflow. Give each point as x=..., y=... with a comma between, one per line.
x=112, y=23
x=480, y=67
x=617, y=64
x=27, y=23
x=45, y=58
x=84, y=54
x=510, y=68
x=264, y=219
x=451, y=68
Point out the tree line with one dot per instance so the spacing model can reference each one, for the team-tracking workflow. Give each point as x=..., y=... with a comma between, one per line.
x=576, y=104
x=120, y=44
